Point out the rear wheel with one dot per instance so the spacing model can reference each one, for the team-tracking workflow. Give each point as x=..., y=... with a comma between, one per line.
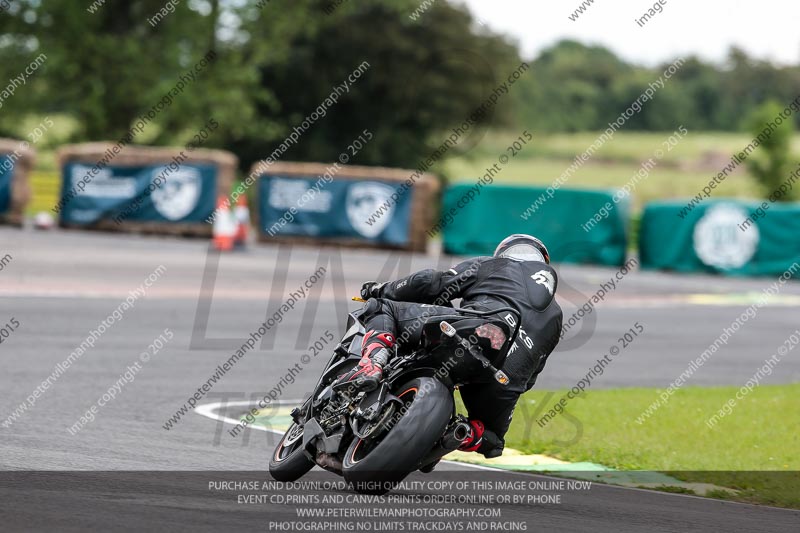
x=288, y=462
x=376, y=465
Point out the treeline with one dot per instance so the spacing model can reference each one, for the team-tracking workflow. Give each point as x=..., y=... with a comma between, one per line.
x=275, y=63
x=578, y=87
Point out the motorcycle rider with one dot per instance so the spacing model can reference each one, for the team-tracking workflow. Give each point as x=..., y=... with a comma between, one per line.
x=518, y=275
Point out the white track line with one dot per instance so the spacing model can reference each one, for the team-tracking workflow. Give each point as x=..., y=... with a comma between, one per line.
x=208, y=410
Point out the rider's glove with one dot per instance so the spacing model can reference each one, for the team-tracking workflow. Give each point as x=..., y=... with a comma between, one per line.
x=475, y=438
x=371, y=289
x=482, y=440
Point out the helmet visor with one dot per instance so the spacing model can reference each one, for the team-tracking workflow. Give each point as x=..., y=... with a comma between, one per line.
x=522, y=252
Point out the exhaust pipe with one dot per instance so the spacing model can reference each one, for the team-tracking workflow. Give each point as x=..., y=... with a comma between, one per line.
x=454, y=436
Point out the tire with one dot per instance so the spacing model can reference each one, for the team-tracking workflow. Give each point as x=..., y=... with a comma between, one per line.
x=406, y=444
x=289, y=462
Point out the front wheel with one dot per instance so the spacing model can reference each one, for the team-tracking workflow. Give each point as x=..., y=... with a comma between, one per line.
x=376, y=465
x=288, y=462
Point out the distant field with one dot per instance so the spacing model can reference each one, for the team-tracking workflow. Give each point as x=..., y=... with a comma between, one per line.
x=45, y=187
x=624, y=146
x=53, y=137
x=680, y=173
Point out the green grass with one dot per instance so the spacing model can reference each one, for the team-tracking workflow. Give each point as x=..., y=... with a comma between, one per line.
x=679, y=174
x=625, y=146
x=662, y=183
x=53, y=137
x=45, y=191
x=761, y=434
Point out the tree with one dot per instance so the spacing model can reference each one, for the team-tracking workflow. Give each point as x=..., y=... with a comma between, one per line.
x=571, y=88
x=275, y=63
x=105, y=67
x=425, y=77
x=769, y=164
x=109, y=66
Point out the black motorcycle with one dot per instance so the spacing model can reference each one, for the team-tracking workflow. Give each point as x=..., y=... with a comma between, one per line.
x=375, y=439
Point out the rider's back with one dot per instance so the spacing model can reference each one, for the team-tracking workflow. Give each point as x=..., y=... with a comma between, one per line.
x=529, y=287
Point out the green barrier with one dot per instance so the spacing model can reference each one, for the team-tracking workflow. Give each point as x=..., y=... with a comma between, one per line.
x=578, y=226
x=724, y=236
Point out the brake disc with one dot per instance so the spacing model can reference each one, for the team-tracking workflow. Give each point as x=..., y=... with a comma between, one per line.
x=372, y=429
x=293, y=435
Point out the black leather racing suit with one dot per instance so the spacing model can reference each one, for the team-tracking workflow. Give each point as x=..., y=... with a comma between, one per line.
x=483, y=283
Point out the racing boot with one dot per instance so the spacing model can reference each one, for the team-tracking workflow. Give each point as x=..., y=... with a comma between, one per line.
x=366, y=376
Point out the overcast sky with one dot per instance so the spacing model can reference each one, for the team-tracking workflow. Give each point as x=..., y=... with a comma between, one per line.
x=765, y=28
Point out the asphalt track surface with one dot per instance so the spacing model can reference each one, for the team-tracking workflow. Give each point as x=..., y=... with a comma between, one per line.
x=61, y=285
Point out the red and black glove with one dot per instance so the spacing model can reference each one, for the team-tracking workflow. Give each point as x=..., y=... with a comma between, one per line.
x=475, y=438
x=482, y=440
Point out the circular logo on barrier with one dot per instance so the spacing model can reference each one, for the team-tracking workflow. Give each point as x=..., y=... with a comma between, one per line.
x=719, y=242
x=370, y=207
x=179, y=192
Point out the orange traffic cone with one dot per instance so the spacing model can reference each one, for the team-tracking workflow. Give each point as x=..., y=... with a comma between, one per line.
x=224, y=228
x=242, y=215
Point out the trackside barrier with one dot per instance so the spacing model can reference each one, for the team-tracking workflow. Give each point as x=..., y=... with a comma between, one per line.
x=578, y=226
x=16, y=161
x=730, y=237
x=142, y=189
x=346, y=205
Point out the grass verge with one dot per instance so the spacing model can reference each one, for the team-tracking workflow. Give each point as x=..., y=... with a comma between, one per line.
x=753, y=450
x=45, y=186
